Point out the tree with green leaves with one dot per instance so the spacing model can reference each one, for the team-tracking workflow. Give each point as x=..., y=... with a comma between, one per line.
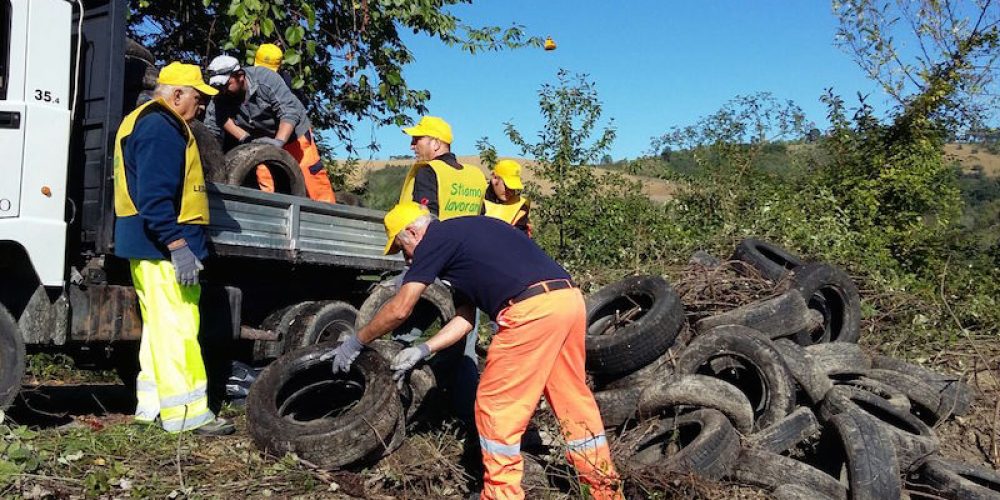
x=348, y=56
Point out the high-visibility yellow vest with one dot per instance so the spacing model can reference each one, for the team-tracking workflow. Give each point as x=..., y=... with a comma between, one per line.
x=194, y=198
x=507, y=212
x=460, y=192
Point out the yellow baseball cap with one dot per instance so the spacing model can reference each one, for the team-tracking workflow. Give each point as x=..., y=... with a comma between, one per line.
x=398, y=218
x=431, y=126
x=187, y=75
x=510, y=172
x=269, y=56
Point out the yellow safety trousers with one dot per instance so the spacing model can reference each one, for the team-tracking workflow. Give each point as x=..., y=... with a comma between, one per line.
x=172, y=381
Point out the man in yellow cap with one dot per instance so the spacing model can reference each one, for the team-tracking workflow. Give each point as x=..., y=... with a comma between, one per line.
x=161, y=207
x=437, y=180
x=503, y=200
x=270, y=56
x=539, y=348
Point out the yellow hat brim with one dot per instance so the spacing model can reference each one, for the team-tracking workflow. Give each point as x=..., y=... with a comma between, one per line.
x=511, y=182
x=206, y=89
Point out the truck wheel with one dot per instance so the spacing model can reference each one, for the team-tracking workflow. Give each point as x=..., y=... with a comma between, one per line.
x=298, y=406
x=11, y=358
x=242, y=161
x=319, y=322
x=631, y=323
x=213, y=160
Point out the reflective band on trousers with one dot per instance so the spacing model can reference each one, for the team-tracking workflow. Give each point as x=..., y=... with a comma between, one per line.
x=590, y=443
x=182, y=424
x=183, y=399
x=495, y=448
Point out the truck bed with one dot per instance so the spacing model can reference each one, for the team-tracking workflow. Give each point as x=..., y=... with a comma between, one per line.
x=250, y=223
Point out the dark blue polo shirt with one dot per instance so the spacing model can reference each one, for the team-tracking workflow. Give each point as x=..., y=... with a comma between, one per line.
x=486, y=259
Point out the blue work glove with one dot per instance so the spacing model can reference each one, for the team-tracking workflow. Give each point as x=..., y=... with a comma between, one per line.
x=186, y=265
x=405, y=360
x=344, y=355
x=278, y=143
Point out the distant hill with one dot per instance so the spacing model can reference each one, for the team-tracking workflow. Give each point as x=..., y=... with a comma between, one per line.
x=655, y=189
x=972, y=156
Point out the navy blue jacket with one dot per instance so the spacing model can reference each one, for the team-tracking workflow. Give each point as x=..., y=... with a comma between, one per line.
x=154, y=172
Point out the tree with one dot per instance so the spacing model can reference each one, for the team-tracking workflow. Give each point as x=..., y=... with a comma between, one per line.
x=347, y=55
x=571, y=109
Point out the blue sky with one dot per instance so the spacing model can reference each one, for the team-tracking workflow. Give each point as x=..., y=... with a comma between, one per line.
x=656, y=64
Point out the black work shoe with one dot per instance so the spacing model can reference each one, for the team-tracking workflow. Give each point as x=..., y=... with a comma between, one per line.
x=218, y=427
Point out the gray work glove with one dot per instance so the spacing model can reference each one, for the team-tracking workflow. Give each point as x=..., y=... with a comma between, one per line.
x=344, y=355
x=186, y=265
x=405, y=360
x=278, y=143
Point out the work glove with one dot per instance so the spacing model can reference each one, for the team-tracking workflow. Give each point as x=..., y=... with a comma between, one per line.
x=278, y=143
x=344, y=355
x=245, y=139
x=186, y=265
x=405, y=360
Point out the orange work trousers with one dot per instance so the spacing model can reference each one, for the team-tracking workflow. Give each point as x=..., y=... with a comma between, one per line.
x=539, y=349
x=304, y=150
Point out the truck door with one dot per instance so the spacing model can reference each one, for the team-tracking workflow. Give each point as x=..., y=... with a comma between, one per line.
x=11, y=116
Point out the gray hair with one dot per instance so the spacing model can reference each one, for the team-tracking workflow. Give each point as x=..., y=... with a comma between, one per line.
x=419, y=223
x=165, y=91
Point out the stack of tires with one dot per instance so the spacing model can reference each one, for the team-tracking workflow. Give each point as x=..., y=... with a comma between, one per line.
x=775, y=394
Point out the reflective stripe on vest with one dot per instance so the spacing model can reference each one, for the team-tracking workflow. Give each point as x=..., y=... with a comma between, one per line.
x=194, y=198
x=460, y=192
x=508, y=213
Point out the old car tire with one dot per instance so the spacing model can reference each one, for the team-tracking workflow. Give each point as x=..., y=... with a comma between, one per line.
x=698, y=391
x=782, y=316
x=277, y=321
x=872, y=469
x=831, y=292
x=11, y=358
x=924, y=401
x=708, y=443
x=288, y=404
x=959, y=481
x=801, y=365
x=617, y=406
x=770, y=470
x=436, y=303
x=618, y=345
x=799, y=426
x=747, y=359
x=770, y=260
x=836, y=357
x=862, y=380
x=242, y=161
x=914, y=441
x=956, y=396
x=323, y=321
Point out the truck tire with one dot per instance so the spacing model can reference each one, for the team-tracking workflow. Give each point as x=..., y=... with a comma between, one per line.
x=959, y=481
x=956, y=396
x=831, y=292
x=872, y=470
x=435, y=304
x=747, y=359
x=213, y=160
x=771, y=261
x=622, y=343
x=706, y=445
x=242, y=161
x=289, y=404
x=699, y=391
x=914, y=441
x=769, y=470
x=11, y=358
x=319, y=322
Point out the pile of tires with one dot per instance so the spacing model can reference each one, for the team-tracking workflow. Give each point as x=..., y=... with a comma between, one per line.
x=775, y=394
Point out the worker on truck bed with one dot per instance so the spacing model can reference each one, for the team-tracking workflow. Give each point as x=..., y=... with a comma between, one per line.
x=448, y=189
x=160, y=208
x=539, y=348
x=503, y=199
x=254, y=104
x=270, y=56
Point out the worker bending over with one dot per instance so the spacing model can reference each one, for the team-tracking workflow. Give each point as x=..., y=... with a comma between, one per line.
x=503, y=200
x=160, y=208
x=539, y=348
x=254, y=104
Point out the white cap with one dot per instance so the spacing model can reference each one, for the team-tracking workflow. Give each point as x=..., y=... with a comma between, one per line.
x=220, y=68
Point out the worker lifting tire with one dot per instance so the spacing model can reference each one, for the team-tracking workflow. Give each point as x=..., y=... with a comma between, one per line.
x=631, y=323
x=435, y=304
x=242, y=162
x=11, y=358
x=332, y=420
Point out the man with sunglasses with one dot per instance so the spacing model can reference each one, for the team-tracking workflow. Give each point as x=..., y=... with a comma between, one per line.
x=255, y=104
